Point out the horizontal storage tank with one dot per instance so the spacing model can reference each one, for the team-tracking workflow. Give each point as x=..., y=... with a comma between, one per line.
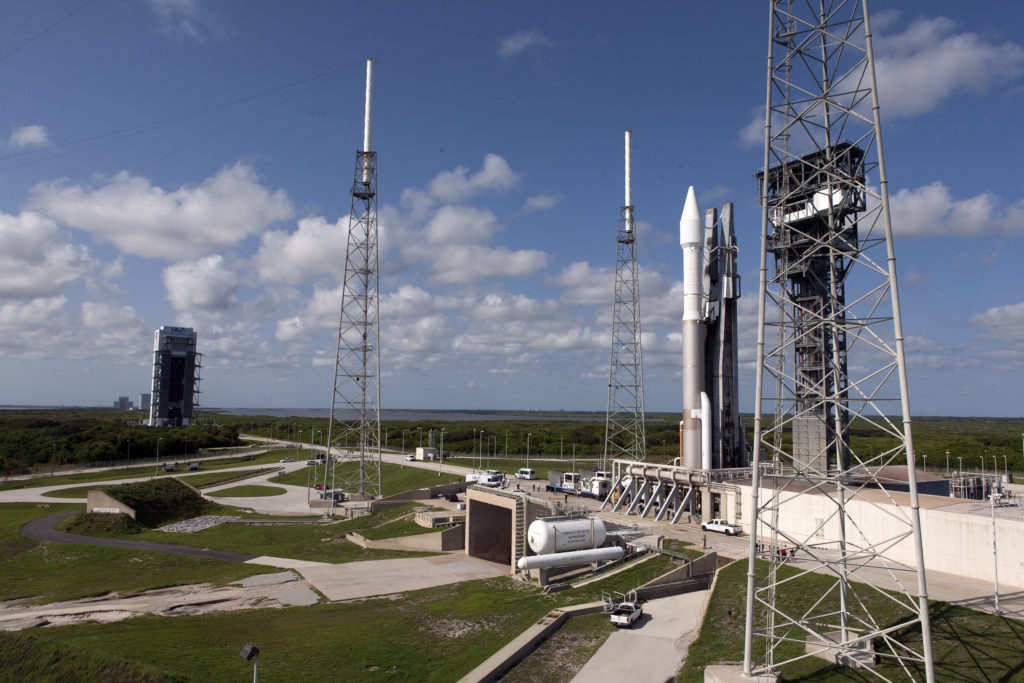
x=564, y=535
x=575, y=557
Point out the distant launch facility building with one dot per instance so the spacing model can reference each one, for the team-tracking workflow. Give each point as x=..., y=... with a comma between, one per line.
x=176, y=367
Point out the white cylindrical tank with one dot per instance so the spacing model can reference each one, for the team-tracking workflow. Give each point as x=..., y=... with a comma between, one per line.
x=567, y=534
x=576, y=557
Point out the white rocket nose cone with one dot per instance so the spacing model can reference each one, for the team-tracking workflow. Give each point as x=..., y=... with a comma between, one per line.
x=689, y=222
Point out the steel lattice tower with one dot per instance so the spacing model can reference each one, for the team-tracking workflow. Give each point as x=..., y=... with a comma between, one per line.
x=625, y=433
x=354, y=429
x=831, y=308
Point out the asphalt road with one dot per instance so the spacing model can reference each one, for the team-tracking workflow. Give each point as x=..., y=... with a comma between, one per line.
x=42, y=530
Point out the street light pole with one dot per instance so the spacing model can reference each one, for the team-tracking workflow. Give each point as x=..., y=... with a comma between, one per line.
x=421, y=436
x=925, y=456
x=528, y=450
x=156, y=463
x=440, y=454
x=995, y=555
x=506, y=444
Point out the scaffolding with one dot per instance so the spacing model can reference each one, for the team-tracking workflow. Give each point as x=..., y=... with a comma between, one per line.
x=831, y=310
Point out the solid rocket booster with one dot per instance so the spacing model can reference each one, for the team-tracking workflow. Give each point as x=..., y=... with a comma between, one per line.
x=691, y=238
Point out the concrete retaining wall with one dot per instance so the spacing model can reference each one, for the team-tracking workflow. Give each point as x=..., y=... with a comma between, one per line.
x=424, y=494
x=101, y=503
x=437, y=542
x=955, y=542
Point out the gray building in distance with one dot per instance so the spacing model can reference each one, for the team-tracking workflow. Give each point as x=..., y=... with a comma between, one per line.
x=176, y=366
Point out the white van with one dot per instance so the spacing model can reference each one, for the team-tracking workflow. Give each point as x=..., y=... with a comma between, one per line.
x=526, y=473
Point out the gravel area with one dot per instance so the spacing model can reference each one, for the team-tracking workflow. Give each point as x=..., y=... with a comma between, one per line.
x=196, y=524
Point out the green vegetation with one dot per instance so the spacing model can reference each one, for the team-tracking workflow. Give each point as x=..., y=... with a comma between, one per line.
x=394, y=478
x=43, y=439
x=48, y=572
x=248, y=491
x=159, y=501
x=26, y=658
x=561, y=656
x=682, y=547
x=967, y=645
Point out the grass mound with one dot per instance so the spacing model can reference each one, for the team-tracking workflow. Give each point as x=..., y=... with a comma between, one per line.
x=159, y=501
x=26, y=658
x=102, y=525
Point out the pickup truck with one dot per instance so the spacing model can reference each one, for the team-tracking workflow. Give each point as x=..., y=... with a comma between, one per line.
x=626, y=614
x=722, y=527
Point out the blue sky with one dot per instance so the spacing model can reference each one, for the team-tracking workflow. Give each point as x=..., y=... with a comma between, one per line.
x=188, y=162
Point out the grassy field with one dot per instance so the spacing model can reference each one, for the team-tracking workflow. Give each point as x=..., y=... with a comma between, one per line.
x=561, y=656
x=248, y=491
x=968, y=645
x=47, y=572
x=394, y=478
x=196, y=480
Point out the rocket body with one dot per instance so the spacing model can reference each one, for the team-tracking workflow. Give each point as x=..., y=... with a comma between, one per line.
x=691, y=239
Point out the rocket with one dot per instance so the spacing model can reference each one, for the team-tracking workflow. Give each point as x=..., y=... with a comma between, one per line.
x=693, y=433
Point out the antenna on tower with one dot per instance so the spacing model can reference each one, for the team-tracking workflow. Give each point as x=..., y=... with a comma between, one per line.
x=827, y=363
x=354, y=431
x=625, y=431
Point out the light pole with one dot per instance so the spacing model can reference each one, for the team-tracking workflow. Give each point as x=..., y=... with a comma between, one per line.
x=925, y=456
x=403, y=440
x=480, y=449
x=506, y=444
x=995, y=555
x=128, y=458
x=156, y=463
x=947, y=463
x=421, y=436
x=528, y=450
x=1006, y=470
x=440, y=453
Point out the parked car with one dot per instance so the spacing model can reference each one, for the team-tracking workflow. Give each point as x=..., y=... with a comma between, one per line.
x=626, y=614
x=410, y=458
x=722, y=527
x=287, y=459
x=526, y=473
x=313, y=462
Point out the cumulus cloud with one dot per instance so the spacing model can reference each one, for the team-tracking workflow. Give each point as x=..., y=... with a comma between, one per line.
x=932, y=210
x=460, y=224
x=1005, y=323
x=208, y=284
x=459, y=184
x=33, y=329
x=29, y=136
x=141, y=218
x=116, y=330
x=315, y=248
x=521, y=41
x=540, y=202
x=929, y=62
x=584, y=284
x=473, y=263
x=37, y=259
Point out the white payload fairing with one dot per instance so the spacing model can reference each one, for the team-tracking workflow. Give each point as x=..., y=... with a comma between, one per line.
x=694, y=430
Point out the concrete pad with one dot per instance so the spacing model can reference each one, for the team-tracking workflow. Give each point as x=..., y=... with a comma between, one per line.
x=285, y=562
x=268, y=579
x=301, y=597
x=381, y=577
x=655, y=649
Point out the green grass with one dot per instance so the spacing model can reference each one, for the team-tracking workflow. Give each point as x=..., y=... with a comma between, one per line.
x=248, y=491
x=301, y=542
x=682, y=547
x=968, y=645
x=46, y=572
x=138, y=472
x=561, y=656
x=24, y=657
x=394, y=478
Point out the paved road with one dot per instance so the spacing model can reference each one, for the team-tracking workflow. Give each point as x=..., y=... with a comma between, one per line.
x=42, y=530
x=655, y=648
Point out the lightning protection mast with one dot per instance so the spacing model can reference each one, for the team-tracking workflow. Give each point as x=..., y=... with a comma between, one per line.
x=624, y=432
x=830, y=360
x=354, y=430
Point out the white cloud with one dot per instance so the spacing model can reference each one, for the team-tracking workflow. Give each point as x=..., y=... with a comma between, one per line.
x=586, y=285
x=929, y=62
x=495, y=175
x=460, y=225
x=208, y=284
x=143, y=219
x=184, y=18
x=931, y=210
x=315, y=248
x=1005, y=323
x=29, y=136
x=540, y=202
x=36, y=259
x=473, y=263
x=34, y=329
x=521, y=41
x=115, y=331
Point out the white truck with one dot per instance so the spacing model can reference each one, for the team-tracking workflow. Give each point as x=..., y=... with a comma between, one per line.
x=492, y=479
x=722, y=527
x=626, y=614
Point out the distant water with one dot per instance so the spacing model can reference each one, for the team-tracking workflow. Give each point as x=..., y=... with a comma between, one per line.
x=414, y=415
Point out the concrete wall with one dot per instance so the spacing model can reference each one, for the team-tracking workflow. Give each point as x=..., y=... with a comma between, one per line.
x=954, y=541
x=439, y=541
x=426, y=494
x=101, y=503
